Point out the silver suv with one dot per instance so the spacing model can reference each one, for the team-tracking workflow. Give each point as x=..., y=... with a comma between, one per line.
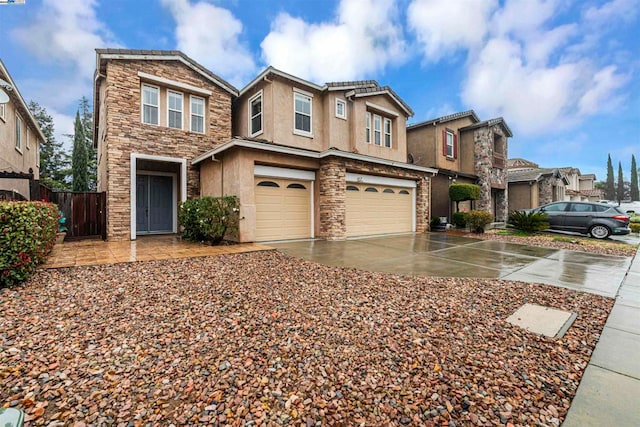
x=596, y=219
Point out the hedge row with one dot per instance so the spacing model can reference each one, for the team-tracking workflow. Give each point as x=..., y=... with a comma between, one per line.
x=27, y=235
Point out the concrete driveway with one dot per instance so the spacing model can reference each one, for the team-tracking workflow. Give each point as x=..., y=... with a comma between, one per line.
x=439, y=254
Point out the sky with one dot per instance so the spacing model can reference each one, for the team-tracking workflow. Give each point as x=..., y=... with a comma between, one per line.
x=564, y=74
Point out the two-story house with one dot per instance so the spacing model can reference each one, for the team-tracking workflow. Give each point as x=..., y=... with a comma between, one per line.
x=306, y=160
x=325, y=161
x=464, y=149
x=154, y=112
x=20, y=138
x=580, y=187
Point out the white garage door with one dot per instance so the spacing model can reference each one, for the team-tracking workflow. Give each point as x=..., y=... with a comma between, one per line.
x=378, y=209
x=283, y=209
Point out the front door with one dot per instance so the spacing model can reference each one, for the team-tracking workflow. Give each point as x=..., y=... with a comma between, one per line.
x=154, y=204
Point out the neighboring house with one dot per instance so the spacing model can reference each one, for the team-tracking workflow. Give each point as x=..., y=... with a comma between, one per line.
x=324, y=161
x=20, y=138
x=464, y=149
x=307, y=160
x=154, y=112
x=530, y=188
x=581, y=187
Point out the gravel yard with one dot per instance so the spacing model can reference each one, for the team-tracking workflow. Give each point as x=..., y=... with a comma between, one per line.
x=266, y=339
x=572, y=243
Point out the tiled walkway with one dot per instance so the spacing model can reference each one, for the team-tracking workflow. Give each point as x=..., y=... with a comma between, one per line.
x=95, y=252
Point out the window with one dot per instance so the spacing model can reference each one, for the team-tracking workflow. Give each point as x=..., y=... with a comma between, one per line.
x=368, y=128
x=341, y=109
x=403, y=192
x=449, y=144
x=381, y=132
x=302, y=113
x=197, y=114
x=387, y=133
x=28, y=139
x=18, y=133
x=578, y=207
x=377, y=129
x=352, y=188
x=150, y=104
x=174, y=111
x=268, y=184
x=3, y=112
x=255, y=115
x=388, y=190
x=371, y=190
x=297, y=186
x=555, y=207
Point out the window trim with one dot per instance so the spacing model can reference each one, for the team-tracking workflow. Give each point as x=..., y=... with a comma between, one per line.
x=342, y=102
x=18, y=134
x=169, y=109
x=309, y=96
x=191, y=113
x=3, y=112
x=142, y=104
x=28, y=139
x=256, y=96
x=445, y=144
x=367, y=127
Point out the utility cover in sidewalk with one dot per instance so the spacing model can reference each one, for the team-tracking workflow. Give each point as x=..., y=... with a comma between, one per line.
x=538, y=319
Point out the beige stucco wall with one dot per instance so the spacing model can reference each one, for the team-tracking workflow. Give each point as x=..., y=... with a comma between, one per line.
x=124, y=132
x=12, y=159
x=466, y=153
x=523, y=195
x=421, y=145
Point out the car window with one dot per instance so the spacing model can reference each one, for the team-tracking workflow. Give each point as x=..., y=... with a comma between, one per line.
x=579, y=207
x=602, y=208
x=618, y=210
x=555, y=207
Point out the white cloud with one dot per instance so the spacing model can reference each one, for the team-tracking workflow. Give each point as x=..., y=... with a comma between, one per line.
x=443, y=26
x=615, y=10
x=601, y=91
x=211, y=35
x=363, y=39
x=66, y=33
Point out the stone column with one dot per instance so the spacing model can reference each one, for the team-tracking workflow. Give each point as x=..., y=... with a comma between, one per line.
x=332, y=183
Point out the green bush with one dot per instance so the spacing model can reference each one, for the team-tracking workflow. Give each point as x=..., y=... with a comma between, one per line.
x=27, y=235
x=635, y=227
x=459, y=219
x=529, y=222
x=478, y=220
x=210, y=219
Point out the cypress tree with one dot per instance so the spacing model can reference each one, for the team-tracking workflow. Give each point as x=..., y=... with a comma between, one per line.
x=610, y=188
x=620, y=188
x=635, y=193
x=79, y=158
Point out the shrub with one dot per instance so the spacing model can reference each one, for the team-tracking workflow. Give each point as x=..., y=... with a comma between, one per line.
x=635, y=227
x=462, y=192
x=459, y=219
x=529, y=222
x=478, y=220
x=27, y=235
x=210, y=219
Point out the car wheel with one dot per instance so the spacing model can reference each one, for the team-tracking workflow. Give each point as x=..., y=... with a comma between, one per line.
x=599, y=231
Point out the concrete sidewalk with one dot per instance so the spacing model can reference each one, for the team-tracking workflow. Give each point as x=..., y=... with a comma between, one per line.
x=609, y=392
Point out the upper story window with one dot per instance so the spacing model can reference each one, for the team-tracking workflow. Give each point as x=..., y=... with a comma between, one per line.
x=197, y=114
x=28, y=139
x=255, y=114
x=174, y=110
x=378, y=130
x=150, y=104
x=449, y=144
x=302, y=113
x=341, y=108
x=387, y=133
x=3, y=112
x=18, y=133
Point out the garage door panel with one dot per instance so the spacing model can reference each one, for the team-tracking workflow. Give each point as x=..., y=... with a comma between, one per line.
x=378, y=212
x=282, y=212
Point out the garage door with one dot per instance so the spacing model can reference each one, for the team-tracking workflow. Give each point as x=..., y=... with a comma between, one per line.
x=283, y=209
x=378, y=209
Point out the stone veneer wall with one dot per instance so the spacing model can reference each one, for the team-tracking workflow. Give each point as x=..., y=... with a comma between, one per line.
x=488, y=176
x=332, y=197
x=332, y=181
x=545, y=190
x=125, y=133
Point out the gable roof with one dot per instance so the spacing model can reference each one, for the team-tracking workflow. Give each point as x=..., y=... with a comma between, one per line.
x=356, y=88
x=448, y=118
x=162, y=55
x=491, y=122
x=16, y=97
x=518, y=162
x=535, y=175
